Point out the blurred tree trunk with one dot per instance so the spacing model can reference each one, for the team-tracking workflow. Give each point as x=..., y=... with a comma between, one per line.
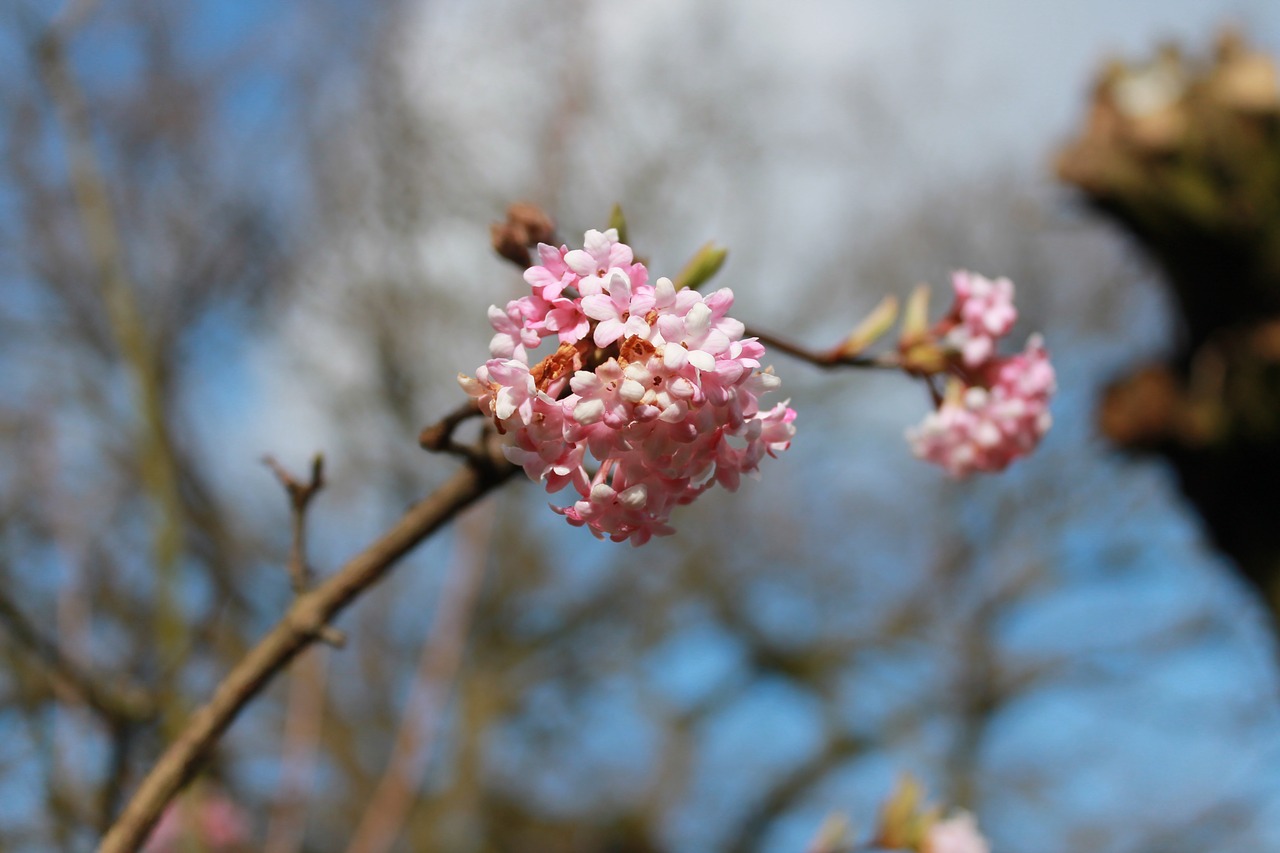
x=1185, y=156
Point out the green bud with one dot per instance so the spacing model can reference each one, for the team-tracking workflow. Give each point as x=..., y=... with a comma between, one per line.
x=915, y=320
x=618, y=221
x=899, y=814
x=705, y=263
x=872, y=327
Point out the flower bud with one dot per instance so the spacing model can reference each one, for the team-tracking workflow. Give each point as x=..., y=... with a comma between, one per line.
x=872, y=328
x=705, y=263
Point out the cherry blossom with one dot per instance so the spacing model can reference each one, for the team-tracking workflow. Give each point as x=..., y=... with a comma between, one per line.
x=651, y=397
x=995, y=409
x=984, y=427
x=983, y=314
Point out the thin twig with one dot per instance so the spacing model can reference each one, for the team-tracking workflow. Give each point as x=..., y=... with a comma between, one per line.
x=297, y=629
x=304, y=719
x=828, y=360
x=438, y=437
x=300, y=495
x=305, y=711
x=384, y=818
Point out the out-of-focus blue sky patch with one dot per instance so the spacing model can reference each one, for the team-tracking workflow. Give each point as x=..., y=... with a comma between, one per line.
x=1126, y=610
x=781, y=612
x=19, y=799
x=219, y=25
x=1207, y=680
x=1081, y=753
x=108, y=56
x=612, y=746
x=695, y=662
x=893, y=684
x=771, y=727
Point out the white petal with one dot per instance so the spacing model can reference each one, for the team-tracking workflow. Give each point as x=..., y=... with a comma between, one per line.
x=588, y=411
x=634, y=497
x=631, y=391
x=704, y=361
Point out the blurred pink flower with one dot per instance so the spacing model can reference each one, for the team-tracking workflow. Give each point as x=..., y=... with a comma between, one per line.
x=983, y=313
x=986, y=425
x=956, y=834
x=210, y=821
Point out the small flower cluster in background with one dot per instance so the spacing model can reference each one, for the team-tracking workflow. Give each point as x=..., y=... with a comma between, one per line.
x=207, y=821
x=990, y=409
x=651, y=385
x=905, y=824
x=994, y=409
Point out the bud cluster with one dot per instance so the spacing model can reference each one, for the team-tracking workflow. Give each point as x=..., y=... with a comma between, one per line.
x=994, y=409
x=907, y=823
x=651, y=386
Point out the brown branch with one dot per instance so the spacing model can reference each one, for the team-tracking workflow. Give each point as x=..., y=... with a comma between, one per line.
x=300, y=495
x=305, y=711
x=298, y=628
x=438, y=437
x=827, y=360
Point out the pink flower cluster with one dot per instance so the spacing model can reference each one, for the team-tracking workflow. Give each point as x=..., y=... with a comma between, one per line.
x=995, y=409
x=212, y=822
x=983, y=314
x=651, y=386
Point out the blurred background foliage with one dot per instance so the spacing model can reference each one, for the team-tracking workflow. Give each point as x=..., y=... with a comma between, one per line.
x=230, y=229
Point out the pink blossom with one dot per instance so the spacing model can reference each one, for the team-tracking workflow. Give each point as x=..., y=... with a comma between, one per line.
x=514, y=333
x=618, y=312
x=600, y=258
x=212, y=822
x=667, y=405
x=551, y=275
x=985, y=427
x=995, y=409
x=983, y=314
x=957, y=834
x=564, y=317
x=600, y=252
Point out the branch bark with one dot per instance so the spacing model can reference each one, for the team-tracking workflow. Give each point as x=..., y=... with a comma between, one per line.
x=301, y=626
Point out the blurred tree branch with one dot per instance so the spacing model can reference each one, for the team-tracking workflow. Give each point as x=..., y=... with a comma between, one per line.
x=442, y=652
x=120, y=297
x=301, y=626
x=116, y=703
